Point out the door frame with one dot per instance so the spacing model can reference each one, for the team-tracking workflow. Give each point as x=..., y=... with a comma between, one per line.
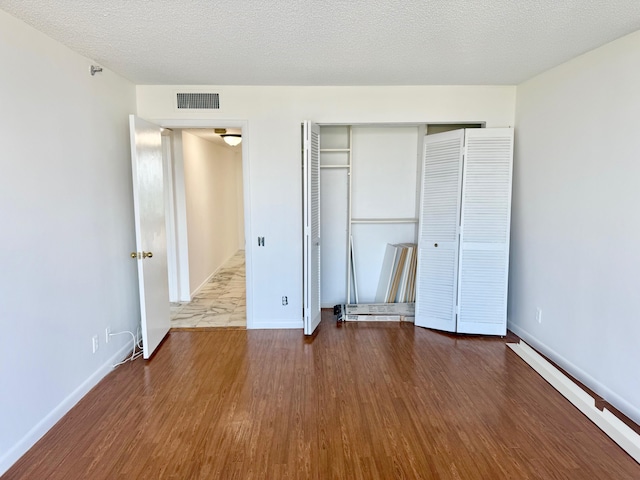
x=246, y=187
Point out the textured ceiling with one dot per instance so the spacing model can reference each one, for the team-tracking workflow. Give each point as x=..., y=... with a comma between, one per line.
x=330, y=42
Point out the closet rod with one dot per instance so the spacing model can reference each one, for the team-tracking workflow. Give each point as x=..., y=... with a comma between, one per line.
x=384, y=220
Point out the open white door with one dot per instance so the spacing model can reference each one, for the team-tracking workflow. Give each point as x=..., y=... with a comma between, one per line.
x=311, y=196
x=438, y=241
x=485, y=220
x=151, y=254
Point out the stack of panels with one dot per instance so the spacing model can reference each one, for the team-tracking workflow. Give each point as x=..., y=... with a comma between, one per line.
x=398, y=276
x=377, y=312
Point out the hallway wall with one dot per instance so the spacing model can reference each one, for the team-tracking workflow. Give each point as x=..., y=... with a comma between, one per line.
x=212, y=175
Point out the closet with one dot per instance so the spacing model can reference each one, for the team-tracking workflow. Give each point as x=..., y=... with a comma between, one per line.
x=369, y=181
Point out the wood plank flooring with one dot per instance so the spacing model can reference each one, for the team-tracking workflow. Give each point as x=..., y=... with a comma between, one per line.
x=357, y=401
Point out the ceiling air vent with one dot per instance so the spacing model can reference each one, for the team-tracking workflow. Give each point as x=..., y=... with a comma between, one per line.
x=199, y=100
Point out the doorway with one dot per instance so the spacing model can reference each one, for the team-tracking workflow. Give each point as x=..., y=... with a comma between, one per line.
x=205, y=182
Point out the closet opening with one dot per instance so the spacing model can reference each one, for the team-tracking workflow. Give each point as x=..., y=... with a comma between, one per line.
x=372, y=200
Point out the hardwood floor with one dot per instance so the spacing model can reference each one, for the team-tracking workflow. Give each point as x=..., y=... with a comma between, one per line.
x=376, y=400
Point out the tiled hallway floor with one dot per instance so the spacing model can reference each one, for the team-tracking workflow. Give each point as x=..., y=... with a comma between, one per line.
x=220, y=303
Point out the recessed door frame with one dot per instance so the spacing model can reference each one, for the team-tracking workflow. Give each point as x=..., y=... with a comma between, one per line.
x=246, y=188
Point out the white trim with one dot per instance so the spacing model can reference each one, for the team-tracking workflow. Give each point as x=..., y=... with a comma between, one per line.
x=246, y=190
x=48, y=421
x=170, y=219
x=179, y=201
x=613, y=398
x=617, y=430
x=278, y=324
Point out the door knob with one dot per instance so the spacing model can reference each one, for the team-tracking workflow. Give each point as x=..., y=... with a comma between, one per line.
x=134, y=255
x=147, y=254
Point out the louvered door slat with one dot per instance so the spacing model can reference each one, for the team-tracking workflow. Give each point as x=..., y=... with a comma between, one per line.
x=315, y=222
x=436, y=282
x=484, y=248
x=312, y=258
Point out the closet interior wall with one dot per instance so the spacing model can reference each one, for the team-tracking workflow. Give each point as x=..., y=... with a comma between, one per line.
x=369, y=191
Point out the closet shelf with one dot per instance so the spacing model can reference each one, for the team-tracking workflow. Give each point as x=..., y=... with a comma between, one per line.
x=335, y=166
x=333, y=150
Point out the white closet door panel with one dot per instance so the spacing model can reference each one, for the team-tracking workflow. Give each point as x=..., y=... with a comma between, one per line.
x=312, y=260
x=436, y=290
x=436, y=285
x=483, y=286
x=484, y=250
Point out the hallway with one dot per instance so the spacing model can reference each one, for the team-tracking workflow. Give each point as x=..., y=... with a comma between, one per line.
x=220, y=303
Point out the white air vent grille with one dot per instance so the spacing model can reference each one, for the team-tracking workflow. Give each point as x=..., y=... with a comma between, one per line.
x=199, y=100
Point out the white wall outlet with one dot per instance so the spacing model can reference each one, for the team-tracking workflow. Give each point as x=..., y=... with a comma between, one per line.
x=107, y=334
x=94, y=343
x=539, y=315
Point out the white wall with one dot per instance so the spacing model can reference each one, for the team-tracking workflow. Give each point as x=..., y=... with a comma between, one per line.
x=239, y=198
x=66, y=213
x=272, y=145
x=575, y=225
x=211, y=189
x=384, y=185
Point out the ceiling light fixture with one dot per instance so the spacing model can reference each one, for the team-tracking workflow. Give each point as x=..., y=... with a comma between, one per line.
x=232, y=139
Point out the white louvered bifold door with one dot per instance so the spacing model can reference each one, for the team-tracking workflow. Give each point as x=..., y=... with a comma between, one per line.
x=436, y=286
x=311, y=168
x=484, y=246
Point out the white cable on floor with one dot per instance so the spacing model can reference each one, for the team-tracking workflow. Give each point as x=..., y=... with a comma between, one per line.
x=136, y=344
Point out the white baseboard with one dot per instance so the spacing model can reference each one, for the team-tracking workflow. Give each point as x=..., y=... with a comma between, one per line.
x=613, y=398
x=617, y=430
x=44, y=425
x=275, y=324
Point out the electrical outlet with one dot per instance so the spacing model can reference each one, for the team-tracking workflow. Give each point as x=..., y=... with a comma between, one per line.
x=285, y=301
x=107, y=334
x=539, y=315
x=94, y=343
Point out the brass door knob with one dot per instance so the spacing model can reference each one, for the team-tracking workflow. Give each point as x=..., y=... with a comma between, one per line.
x=134, y=254
x=147, y=254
